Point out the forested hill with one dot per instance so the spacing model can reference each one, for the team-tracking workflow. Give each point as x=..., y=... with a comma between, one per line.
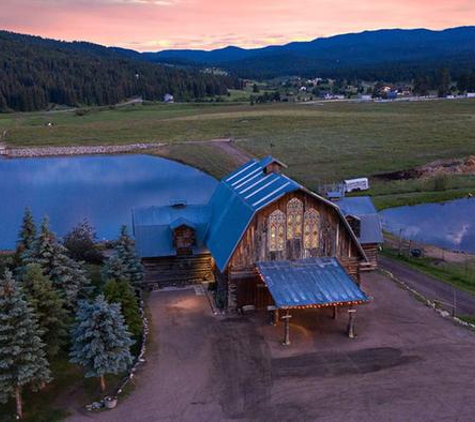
x=391, y=55
x=37, y=72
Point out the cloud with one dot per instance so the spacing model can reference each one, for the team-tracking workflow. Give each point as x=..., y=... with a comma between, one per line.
x=158, y=24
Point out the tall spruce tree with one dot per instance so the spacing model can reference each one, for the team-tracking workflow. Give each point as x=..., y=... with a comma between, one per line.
x=125, y=249
x=23, y=359
x=115, y=269
x=27, y=231
x=121, y=292
x=100, y=339
x=26, y=236
x=69, y=278
x=67, y=275
x=48, y=306
x=43, y=249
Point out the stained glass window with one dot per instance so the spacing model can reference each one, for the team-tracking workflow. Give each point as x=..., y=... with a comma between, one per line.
x=311, y=228
x=276, y=231
x=294, y=218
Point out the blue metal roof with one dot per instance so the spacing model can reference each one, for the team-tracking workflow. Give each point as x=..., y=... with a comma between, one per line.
x=153, y=228
x=357, y=205
x=311, y=281
x=371, y=230
x=363, y=208
x=238, y=197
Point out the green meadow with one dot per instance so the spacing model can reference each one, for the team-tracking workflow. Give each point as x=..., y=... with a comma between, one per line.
x=321, y=142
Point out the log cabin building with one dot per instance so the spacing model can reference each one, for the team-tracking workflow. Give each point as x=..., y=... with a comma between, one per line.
x=266, y=240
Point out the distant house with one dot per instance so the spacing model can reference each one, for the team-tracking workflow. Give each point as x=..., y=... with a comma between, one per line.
x=470, y=94
x=365, y=97
x=366, y=224
x=168, y=98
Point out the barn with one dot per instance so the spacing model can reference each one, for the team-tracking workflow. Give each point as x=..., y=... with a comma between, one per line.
x=267, y=241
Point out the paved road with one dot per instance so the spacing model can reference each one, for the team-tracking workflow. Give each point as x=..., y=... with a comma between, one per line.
x=430, y=287
x=407, y=364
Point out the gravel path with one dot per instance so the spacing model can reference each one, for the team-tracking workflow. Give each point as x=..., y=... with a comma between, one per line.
x=75, y=150
x=407, y=364
x=430, y=287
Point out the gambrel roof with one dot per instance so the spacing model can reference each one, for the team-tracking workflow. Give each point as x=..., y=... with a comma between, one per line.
x=239, y=196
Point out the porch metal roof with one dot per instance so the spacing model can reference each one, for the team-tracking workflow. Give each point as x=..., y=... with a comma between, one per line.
x=310, y=282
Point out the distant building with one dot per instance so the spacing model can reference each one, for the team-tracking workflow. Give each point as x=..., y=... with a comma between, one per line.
x=168, y=98
x=365, y=97
x=470, y=94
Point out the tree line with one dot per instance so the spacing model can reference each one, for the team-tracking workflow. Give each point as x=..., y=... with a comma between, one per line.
x=49, y=304
x=35, y=73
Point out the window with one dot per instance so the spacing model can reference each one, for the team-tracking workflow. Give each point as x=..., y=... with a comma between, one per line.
x=276, y=231
x=294, y=219
x=311, y=224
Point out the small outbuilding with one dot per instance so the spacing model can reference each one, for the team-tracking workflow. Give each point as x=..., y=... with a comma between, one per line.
x=365, y=222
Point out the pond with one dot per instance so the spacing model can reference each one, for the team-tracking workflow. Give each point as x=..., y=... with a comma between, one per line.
x=101, y=189
x=450, y=225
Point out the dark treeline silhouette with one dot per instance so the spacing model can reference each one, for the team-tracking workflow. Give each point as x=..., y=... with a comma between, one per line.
x=37, y=72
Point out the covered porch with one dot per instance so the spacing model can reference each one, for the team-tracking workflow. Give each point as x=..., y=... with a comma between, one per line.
x=310, y=283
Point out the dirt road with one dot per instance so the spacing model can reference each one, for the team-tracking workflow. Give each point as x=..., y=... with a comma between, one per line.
x=430, y=287
x=407, y=363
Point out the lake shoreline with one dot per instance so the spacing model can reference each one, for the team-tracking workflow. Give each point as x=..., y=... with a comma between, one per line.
x=65, y=151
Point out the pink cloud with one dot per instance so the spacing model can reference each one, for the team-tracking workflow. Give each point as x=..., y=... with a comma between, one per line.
x=159, y=24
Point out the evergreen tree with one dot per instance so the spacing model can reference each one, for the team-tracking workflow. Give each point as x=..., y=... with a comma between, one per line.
x=80, y=243
x=121, y=292
x=69, y=278
x=26, y=236
x=100, y=339
x=28, y=231
x=48, y=307
x=43, y=249
x=115, y=269
x=67, y=275
x=125, y=249
x=23, y=359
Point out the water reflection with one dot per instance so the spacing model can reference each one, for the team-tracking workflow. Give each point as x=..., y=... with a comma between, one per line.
x=102, y=189
x=450, y=225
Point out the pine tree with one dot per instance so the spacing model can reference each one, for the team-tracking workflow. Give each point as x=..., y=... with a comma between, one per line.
x=48, y=307
x=121, y=292
x=23, y=359
x=67, y=275
x=28, y=230
x=26, y=236
x=100, y=339
x=43, y=249
x=125, y=249
x=69, y=278
x=115, y=269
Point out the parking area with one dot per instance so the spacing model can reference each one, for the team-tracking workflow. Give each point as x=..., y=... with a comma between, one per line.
x=407, y=363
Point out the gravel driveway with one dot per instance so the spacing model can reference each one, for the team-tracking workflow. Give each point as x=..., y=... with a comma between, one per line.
x=407, y=364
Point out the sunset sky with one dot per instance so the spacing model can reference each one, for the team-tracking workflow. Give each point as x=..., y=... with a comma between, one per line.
x=150, y=25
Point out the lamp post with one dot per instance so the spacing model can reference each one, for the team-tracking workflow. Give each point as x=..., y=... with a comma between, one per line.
x=286, y=319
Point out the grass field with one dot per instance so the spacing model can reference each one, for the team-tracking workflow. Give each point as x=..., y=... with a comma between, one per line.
x=320, y=142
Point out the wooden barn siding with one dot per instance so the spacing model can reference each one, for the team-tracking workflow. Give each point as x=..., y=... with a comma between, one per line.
x=245, y=285
x=253, y=246
x=371, y=250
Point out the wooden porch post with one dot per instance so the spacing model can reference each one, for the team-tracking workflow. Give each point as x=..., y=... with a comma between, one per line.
x=335, y=312
x=286, y=319
x=351, y=323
